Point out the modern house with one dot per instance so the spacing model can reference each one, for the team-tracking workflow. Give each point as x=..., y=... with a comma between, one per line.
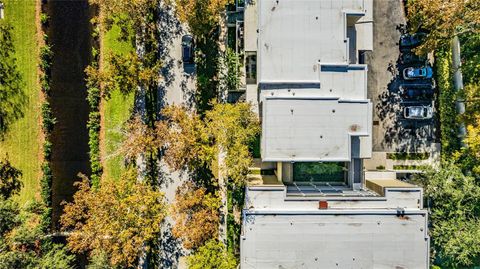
x=310, y=203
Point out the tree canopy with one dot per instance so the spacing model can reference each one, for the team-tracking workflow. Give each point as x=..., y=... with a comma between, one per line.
x=212, y=255
x=12, y=96
x=443, y=19
x=117, y=218
x=23, y=243
x=201, y=15
x=454, y=200
x=189, y=141
x=196, y=215
x=233, y=127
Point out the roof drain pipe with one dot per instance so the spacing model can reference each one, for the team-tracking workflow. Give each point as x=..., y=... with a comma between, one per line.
x=458, y=84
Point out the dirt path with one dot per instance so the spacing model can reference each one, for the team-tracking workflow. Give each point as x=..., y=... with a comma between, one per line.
x=69, y=34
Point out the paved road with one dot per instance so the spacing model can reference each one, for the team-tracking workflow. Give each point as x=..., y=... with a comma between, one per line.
x=177, y=87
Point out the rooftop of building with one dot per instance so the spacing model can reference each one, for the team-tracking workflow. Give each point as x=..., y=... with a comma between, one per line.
x=312, y=129
x=294, y=36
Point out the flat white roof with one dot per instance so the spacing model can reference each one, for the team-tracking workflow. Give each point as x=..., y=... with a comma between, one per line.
x=304, y=73
x=295, y=35
x=342, y=239
x=312, y=129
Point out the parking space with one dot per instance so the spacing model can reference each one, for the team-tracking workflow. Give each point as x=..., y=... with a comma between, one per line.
x=394, y=128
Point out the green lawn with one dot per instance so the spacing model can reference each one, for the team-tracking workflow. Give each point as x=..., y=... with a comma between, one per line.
x=23, y=144
x=115, y=112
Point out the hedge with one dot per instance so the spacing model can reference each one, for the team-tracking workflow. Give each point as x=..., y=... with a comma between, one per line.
x=408, y=155
x=48, y=123
x=94, y=117
x=447, y=99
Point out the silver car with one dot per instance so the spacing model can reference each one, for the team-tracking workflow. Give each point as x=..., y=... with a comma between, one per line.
x=418, y=112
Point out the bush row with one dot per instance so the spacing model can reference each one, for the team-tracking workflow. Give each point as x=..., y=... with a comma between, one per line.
x=93, y=98
x=48, y=122
x=447, y=98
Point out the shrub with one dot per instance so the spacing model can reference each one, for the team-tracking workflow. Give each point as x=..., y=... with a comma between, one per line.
x=44, y=19
x=46, y=56
x=47, y=150
x=93, y=98
x=48, y=121
x=408, y=155
x=45, y=84
x=46, y=183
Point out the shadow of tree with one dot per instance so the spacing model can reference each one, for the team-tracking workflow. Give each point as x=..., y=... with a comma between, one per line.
x=170, y=248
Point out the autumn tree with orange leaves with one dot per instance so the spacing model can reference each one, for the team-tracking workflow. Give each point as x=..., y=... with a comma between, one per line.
x=443, y=19
x=196, y=215
x=117, y=219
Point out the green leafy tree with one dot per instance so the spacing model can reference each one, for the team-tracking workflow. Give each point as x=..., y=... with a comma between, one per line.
x=454, y=201
x=213, y=255
x=22, y=241
x=12, y=96
x=100, y=260
x=56, y=257
x=233, y=128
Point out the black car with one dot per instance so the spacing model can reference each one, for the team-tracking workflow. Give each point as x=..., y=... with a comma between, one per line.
x=187, y=49
x=412, y=58
x=410, y=41
x=417, y=91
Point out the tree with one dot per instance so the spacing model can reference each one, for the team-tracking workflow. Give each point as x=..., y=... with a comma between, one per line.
x=56, y=257
x=454, y=201
x=443, y=19
x=212, y=255
x=124, y=72
x=117, y=218
x=195, y=213
x=233, y=127
x=201, y=15
x=187, y=142
x=22, y=241
x=128, y=72
x=10, y=183
x=99, y=260
x=140, y=139
x=131, y=14
x=12, y=96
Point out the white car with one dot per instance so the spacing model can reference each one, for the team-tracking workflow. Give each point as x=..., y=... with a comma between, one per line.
x=418, y=112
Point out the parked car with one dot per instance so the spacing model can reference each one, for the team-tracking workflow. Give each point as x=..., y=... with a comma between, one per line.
x=417, y=91
x=187, y=49
x=418, y=112
x=424, y=72
x=410, y=57
x=410, y=41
